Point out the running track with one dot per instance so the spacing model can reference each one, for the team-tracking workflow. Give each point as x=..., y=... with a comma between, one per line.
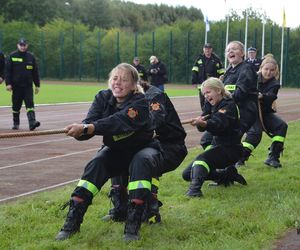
x=33, y=164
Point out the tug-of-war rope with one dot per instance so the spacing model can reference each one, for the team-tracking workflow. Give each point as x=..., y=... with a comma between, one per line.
x=49, y=132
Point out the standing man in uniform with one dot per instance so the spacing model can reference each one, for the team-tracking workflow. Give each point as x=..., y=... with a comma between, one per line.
x=253, y=59
x=140, y=68
x=206, y=65
x=158, y=73
x=21, y=71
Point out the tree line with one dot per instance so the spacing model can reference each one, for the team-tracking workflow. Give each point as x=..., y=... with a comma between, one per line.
x=69, y=46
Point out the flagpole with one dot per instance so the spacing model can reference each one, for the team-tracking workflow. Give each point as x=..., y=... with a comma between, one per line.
x=226, y=42
x=263, y=38
x=246, y=33
x=282, y=42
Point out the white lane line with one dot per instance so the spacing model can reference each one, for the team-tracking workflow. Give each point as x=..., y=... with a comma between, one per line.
x=35, y=143
x=38, y=190
x=46, y=159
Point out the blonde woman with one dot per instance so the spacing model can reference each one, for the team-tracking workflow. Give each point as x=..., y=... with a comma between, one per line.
x=223, y=124
x=121, y=115
x=276, y=128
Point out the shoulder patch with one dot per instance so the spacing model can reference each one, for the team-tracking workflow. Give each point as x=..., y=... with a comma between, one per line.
x=155, y=106
x=223, y=111
x=132, y=113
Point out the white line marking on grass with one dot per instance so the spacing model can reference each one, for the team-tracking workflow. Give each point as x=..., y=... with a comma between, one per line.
x=46, y=159
x=38, y=190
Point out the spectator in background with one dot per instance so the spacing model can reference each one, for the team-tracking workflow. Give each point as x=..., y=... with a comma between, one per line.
x=157, y=73
x=253, y=59
x=21, y=71
x=206, y=65
x=2, y=66
x=140, y=68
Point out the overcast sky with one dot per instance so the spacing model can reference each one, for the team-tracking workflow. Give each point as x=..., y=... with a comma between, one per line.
x=216, y=9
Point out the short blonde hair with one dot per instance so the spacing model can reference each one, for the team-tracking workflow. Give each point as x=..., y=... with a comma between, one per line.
x=132, y=72
x=216, y=84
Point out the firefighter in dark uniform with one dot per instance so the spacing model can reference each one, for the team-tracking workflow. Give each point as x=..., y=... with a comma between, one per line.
x=140, y=68
x=171, y=134
x=206, y=65
x=21, y=71
x=157, y=73
x=2, y=66
x=121, y=115
x=240, y=79
x=223, y=124
x=276, y=128
x=256, y=62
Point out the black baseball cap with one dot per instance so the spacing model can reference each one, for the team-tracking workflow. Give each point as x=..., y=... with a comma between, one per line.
x=136, y=58
x=207, y=45
x=22, y=41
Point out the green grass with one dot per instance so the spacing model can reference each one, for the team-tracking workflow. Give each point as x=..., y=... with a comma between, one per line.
x=63, y=92
x=237, y=217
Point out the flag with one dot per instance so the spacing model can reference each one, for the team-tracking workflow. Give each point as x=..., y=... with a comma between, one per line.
x=283, y=18
x=207, y=28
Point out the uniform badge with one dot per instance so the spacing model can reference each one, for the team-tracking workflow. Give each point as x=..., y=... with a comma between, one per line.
x=132, y=113
x=223, y=111
x=155, y=106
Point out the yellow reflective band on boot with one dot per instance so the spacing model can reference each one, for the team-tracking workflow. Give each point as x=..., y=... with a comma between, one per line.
x=89, y=186
x=248, y=145
x=278, y=138
x=201, y=163
x=155, y=182
x=141, y=184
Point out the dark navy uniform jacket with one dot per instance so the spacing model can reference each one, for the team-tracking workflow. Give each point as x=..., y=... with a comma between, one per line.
x=206, y=67
x=223, y=123
x=126, y=127
x=21, y=70
x=269, y=90
x=166, y=121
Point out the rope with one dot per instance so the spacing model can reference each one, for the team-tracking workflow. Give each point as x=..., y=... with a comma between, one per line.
x=51, y=132
x=262, y=119
x=33, y=133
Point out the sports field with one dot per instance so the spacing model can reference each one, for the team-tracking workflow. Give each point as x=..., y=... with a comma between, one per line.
x=34, y=164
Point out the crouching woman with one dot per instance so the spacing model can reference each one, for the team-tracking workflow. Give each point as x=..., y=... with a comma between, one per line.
x=121, y=115
x=223, y=123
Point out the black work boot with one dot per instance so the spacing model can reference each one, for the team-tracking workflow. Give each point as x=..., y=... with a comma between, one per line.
x=33, y=124
x=119, y=198
x=198, y=176
x=234, y=176
x=16, y=120
x=151, y=213
x=245, y=156
x=274, y=155
x=73, y=220
x=219, y=176
x=228, y=176
x=133, y=222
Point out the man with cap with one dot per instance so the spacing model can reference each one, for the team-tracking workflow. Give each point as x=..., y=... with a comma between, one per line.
x=157, y=73
x=21, y=72
x=140, y=68
x=206, y=65
x=253, y=59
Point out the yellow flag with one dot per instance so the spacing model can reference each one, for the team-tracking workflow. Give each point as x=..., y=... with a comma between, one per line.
x=283, y=18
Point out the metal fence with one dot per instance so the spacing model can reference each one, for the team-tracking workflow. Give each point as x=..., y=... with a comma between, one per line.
x=78, y=55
